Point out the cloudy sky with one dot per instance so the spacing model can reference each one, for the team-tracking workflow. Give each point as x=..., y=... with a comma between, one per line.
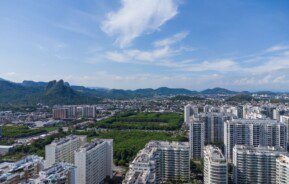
x=129, y=44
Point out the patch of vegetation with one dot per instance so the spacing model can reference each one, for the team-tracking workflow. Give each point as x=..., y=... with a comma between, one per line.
x=12, y=131
x=127, y=143
x=144, y=121
x=240, y=98
x=37, y=147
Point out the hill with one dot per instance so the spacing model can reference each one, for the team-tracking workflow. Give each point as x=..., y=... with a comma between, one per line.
x=240, y=98
x=186, y=98
x=60, y=92
x=54, y=92
x=216, y=91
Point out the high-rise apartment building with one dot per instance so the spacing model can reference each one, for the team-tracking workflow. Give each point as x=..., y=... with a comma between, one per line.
x=62, y=150
x=285, y=119
x=88, y=111
x=214, y=125
x=189, y=110
x=94, y=161
x=160, y=162
x=215, y=166
x=255, y=164
x=256, y=132
x=60, y=113
x=282, y=169
x=197, y=139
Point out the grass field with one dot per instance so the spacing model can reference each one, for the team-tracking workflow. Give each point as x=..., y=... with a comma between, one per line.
x=143, y=121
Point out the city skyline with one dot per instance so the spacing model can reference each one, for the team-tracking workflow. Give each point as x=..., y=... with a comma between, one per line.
x=174, y=43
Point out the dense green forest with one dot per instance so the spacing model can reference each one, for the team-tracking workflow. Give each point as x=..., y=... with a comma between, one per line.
x=145, y=121
x=12, y=131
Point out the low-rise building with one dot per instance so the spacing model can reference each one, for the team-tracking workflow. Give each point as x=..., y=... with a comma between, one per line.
x=60, y=173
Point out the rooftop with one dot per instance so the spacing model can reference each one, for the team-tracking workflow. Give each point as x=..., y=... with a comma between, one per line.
x=214, y=153
x=259, y=150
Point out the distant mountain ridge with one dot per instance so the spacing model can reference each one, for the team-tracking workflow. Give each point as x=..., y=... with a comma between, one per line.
x=53, y=92
x=60, y=92
x=218, y=91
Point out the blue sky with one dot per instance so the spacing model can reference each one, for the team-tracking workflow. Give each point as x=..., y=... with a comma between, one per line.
x=129, y=44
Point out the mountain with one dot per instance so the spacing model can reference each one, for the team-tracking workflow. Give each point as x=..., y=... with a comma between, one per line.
x=60, y=92
x=28, y=83
x=240, y=98
x=265, y=93
x=216, y=91
x=13, y=93
x=174, y=91
x=54, y=92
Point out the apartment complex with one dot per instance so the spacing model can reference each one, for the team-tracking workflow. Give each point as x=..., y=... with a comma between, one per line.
x=197, y=138
x=60, y=113
x=214, y=125
x=160, y=162
x=89, y=111
x=61, y=173
x=94, y=161
x=21, y=171
x=255, y=164
x=215, y=166
x=62, y=150
x=253, y=132
x=64, y=112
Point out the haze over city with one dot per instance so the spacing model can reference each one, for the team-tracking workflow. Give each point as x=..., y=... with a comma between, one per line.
x=128, y=44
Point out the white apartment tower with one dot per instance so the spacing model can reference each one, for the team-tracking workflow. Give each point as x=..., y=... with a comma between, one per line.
x=282, y=169
x=255, y=164
x=189, y=110
x=160, y=162
x=254, y=132
x=62, y=150
x=94, y=161
x=285, y=119
x=215, y=166
x=197, y=139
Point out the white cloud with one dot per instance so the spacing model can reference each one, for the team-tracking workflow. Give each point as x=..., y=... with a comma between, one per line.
x=136, y=17
x=276, y=48
x=117, y=57
x=171, y=40
x=220, y=66
x=270, y=64
x=10, y=74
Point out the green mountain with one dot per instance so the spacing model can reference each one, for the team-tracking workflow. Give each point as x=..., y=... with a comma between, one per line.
x=54, y=92
x=240, y=98
x=60, y=92
x=216, y=91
